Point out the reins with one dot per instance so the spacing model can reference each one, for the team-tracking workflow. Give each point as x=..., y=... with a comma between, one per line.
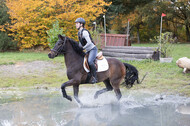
x=60, y=47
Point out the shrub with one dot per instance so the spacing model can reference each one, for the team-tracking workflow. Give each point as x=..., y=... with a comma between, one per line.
x=53, y=34
x=6, y=42
x=32, y=18
x=96, y=37
x=166, y=44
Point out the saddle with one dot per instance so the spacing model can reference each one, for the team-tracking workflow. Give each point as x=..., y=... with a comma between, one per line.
x=100, y=63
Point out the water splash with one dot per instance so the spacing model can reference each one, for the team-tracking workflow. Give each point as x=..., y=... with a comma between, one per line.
x=6, y=123
x=40, y=108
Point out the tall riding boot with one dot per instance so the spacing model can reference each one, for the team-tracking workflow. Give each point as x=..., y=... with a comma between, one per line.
x=93, y=72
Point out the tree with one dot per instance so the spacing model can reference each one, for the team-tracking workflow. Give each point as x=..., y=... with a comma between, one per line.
x=121, y=8
x=180, y=14
x=145, y=17
x=5, y=40
x=31, y=19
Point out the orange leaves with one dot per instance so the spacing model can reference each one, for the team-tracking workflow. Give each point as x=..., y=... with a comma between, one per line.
x=32, y=18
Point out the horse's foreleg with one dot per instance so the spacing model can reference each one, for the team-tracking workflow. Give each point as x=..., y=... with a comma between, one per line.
x=76, y=91
x=100, y=92
x=68, y=83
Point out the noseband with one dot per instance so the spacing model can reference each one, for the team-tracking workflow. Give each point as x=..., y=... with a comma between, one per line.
x=60, y=47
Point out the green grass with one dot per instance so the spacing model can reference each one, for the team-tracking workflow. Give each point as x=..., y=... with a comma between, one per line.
x=49, y=78
x=161, y=77
x=164, y=77
x=14, y=57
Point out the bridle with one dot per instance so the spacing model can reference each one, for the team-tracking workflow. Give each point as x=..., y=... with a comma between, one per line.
x=60, y=47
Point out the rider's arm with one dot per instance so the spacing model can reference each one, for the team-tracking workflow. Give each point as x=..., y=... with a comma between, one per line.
x=80, y=45
x=89, y=45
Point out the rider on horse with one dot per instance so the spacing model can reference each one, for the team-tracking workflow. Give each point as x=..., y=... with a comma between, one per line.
x=86, y=42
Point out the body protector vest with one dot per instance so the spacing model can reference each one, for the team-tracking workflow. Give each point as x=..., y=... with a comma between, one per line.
x=82, y=39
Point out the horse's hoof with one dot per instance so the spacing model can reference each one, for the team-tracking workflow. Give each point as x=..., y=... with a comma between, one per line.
x=95, y=96
x=69, y=98
x=80, y=105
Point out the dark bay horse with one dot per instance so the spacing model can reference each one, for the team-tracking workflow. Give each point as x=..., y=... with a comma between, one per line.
x=76, y=74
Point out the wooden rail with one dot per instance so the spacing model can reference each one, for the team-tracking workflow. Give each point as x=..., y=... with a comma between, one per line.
x=129, y=52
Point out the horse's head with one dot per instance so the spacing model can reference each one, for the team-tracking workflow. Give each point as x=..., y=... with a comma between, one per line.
x=58, y=48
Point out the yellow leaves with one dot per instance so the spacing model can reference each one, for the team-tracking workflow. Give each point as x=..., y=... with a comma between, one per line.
x=32, y=18
x=2, y=28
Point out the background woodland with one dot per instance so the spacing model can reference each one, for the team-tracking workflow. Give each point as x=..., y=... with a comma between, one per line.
x=24, y=23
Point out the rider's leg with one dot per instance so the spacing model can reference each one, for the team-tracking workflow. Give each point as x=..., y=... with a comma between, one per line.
x=93, y=72
x=91, y=59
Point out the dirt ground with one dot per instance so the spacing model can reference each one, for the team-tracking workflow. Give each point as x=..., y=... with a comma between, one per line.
x=28, y=68
x=37, y=72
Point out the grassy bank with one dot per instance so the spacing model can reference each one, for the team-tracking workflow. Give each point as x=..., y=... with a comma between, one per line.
x=161, y=77
x=165, y=77
x=14, y=57
x=33, y=77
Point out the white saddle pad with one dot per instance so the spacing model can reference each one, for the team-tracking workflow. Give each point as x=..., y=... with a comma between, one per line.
x=102, y=65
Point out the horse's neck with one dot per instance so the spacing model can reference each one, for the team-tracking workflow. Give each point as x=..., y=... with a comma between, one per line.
x=72, y=58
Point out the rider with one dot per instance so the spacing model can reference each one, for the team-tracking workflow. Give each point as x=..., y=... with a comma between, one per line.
x=86, y=42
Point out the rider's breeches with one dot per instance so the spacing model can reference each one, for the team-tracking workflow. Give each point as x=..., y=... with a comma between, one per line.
x=92, y=56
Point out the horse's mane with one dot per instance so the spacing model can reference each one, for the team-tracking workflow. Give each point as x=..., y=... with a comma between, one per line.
x=76, y=47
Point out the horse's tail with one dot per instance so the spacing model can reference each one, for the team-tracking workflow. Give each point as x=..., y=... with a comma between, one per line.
x=132, y=75
x=143, y=78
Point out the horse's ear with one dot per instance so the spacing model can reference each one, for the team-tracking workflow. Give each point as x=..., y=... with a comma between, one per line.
x=61, y=37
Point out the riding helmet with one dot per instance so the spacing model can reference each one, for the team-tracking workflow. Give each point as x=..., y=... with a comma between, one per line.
x=80, y=20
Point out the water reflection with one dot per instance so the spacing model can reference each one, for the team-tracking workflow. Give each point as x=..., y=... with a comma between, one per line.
x=45, y=109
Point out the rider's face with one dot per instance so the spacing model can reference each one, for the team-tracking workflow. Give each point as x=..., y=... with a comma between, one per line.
x=78, y=25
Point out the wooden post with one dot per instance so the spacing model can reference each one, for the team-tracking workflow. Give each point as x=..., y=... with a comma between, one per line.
x=128, y=33
x=105, y=27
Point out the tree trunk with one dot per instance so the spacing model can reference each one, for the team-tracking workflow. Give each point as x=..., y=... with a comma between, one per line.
x=175, y=29
x=187, y=32
x=138, y=35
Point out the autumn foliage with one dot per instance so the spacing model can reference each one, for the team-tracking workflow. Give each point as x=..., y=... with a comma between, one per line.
x=32, y=18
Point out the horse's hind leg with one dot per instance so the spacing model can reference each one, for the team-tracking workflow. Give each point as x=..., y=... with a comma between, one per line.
x=115, y=84
x=108, y=88
x=118, y=93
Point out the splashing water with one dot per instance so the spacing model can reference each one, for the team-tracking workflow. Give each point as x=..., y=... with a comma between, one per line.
x=42, y=108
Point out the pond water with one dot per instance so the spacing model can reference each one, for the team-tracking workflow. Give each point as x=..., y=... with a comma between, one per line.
x=40, y=107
